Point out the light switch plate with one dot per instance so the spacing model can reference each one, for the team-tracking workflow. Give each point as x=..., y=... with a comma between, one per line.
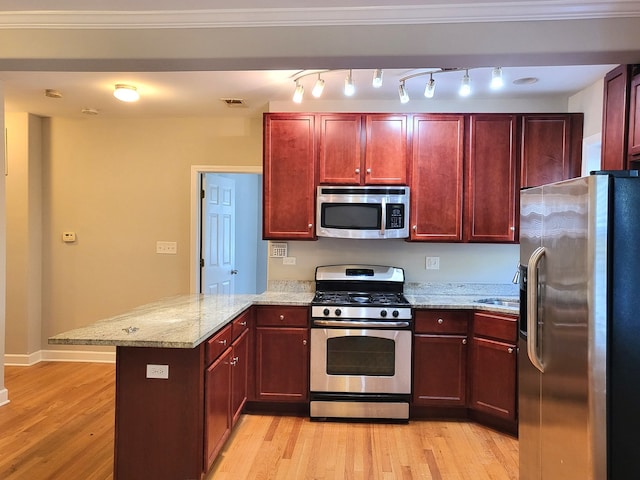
x=432, y=263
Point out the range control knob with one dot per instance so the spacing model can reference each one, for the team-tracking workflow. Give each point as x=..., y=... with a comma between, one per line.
x=383, y=313
x=338, y=312
x=326, y=312
x=395, y=313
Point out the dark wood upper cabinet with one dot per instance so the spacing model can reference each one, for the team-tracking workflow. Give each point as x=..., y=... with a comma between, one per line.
x=437, y=158
x=634, y=122
x=551, y=148
x=386, y=149
x=491, y=175
x=289, y=176
x=615, y=118
x=363, y=149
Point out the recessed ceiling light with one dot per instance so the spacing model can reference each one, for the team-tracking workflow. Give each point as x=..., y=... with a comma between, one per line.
x=126, y=93
x=525, y=81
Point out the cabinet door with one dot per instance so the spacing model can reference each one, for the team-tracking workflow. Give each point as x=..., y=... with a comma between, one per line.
x=634, y=118
x=282, y=364
x=239, y=371
x=386, y=149
x=493, y=383
x=437, y=177
x=289, y=176
x=491, y=179
x=217, y=415
x=551, y=148
x=439, y=370
x=615, y=118
x=340, y=149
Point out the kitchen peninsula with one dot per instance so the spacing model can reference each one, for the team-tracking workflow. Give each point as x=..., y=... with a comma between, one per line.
x=185, y=366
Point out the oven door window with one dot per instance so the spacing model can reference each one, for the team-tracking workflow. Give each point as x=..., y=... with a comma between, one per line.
x=361, y=355
x=354, y=216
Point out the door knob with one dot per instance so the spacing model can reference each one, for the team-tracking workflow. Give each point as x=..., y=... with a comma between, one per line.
x=234, y=272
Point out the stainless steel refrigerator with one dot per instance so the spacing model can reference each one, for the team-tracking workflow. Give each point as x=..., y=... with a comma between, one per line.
x=579, y=346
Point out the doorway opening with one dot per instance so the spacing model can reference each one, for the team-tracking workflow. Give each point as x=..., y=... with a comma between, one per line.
x=226, y=241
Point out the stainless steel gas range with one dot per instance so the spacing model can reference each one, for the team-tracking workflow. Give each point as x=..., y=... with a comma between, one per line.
x=360, y=343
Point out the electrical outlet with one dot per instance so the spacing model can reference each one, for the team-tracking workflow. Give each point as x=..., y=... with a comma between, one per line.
x=289, y=261
x=157, y=371
x=167, y=248
x=432, y=263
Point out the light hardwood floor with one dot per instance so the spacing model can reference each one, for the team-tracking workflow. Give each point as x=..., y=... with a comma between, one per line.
x=59, y=425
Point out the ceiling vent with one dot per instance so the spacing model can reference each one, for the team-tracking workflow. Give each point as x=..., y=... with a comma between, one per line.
x=234, y=102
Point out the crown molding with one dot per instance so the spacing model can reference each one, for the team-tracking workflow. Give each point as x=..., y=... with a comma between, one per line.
x=510, y=11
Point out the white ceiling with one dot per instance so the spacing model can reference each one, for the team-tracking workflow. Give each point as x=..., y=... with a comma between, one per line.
x=196, y=92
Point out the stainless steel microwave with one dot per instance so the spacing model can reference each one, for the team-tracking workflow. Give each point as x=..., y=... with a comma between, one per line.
x=362, y=212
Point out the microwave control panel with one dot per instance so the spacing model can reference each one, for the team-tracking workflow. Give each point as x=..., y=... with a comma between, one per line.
x=395, y=215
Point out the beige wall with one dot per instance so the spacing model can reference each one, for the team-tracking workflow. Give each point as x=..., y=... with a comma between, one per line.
x=4, y=395
x=122, y=185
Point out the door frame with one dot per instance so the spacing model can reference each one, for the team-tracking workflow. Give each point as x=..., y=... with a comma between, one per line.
x=196, y=213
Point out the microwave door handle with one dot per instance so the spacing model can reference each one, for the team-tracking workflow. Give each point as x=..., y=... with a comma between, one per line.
x=384, y=216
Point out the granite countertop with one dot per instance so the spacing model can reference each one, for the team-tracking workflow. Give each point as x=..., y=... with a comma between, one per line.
x=185, y=321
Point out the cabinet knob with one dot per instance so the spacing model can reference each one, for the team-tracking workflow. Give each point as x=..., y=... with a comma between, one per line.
x=510, y=350
x=304, y=342
x=357, y=170
x=415, y=227
x=243, y=324
x=440, y=321
x=464, y=341
x=222, y=342
x=368, y=170
x=513, y=229
x=310, y=226
x=281, y=317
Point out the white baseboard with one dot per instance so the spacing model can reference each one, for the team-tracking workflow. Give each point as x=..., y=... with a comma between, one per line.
x=4, y=396
x=59, y=356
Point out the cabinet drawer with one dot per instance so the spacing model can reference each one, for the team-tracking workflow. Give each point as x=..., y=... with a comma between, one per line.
x=442, y=321
x=282, y=316
x=240, y=324
x=501, y=327
x=218, y=344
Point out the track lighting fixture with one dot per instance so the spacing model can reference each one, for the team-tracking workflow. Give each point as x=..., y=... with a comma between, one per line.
x=402, y=92
x=430, y=88
x=496, y=78
x=349, y=87
x=299, y=92
x=377, y=78
x=465, y=85
x=126, y=93
x=318, y=87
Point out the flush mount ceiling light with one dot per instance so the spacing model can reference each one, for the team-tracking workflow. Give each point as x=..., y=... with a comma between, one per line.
x=126, y=93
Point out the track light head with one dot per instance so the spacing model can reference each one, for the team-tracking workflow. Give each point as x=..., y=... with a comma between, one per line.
x=298, y=93
x=318, y=87
x=430, y=88
x=349, y=87
x=377, y=78
x=402, y=92
x=496, y=78
x=465, y=85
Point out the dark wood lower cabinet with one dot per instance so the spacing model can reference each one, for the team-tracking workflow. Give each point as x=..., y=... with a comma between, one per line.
x=217, y=415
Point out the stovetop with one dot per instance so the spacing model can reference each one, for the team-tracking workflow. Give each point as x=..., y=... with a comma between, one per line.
x=365, y=299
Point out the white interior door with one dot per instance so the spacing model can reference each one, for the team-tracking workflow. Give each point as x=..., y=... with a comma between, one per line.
x=218, y=235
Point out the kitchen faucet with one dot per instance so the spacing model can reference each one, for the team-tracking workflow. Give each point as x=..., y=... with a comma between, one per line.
x=516, y=276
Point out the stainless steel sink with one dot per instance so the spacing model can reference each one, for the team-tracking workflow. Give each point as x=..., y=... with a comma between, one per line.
x=503, y=302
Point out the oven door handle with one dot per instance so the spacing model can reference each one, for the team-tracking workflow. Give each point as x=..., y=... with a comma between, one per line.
x=357, y=323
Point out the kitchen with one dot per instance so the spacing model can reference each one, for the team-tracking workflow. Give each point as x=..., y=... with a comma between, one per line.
x=122, y=240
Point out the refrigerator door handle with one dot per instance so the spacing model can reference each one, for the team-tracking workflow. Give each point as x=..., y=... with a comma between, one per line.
x=532, y=307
